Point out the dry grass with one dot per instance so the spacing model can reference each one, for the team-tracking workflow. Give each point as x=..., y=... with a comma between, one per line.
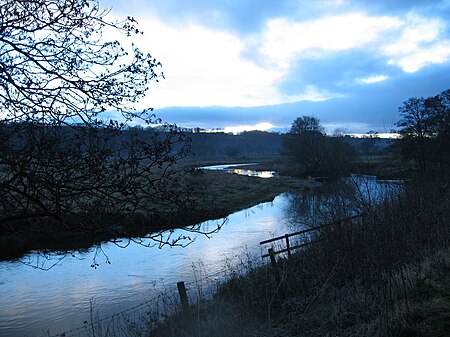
x=387, y=275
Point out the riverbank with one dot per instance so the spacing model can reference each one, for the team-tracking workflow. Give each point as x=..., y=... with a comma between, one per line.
x=384, y=166
x=387, y=275
x=193, y=197
x=205, y=195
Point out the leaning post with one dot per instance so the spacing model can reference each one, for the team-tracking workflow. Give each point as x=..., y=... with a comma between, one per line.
x=187, y=314
x=276, y=271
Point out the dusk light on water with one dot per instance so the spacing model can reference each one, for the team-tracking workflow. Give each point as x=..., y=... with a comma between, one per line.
x=197, y=168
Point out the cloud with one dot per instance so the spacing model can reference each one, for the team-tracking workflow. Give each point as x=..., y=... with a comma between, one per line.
x=285, y=41
x=334, y=53
x=338, y=74
x=372, y=79
x=400, y=7
x=368, y=107
x=231, y=15
x=258, y=61
x=203, y=67
x=419, y=44
x=207, y=67
x=435, y=54
x=410, y=43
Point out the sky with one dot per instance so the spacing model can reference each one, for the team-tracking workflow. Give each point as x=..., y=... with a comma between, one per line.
x=259, y=64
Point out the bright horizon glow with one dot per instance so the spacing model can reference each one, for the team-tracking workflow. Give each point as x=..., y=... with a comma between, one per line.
x=241, y=128
x=388, y=135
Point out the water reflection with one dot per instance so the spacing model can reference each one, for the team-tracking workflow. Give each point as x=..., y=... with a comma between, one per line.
x=340, y=199
x=251, y=173
x=34, y=300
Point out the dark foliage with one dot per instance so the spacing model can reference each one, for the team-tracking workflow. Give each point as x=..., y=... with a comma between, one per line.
x=64, y=163
x=311, y=152
x=425, y=132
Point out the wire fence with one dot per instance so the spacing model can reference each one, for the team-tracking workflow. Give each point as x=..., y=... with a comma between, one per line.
x=142, y=318
x=145, y=317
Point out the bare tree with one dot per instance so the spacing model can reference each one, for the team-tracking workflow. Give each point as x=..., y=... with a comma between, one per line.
x=302, y=144
x=306, y=124
x=313, y=153
x=415, y=127
x=424, y=128
x=64, y=164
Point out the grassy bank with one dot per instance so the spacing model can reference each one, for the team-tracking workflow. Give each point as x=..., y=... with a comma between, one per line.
x=387, y=275
x=218, y=193
x=194, y=196
x=383, y=166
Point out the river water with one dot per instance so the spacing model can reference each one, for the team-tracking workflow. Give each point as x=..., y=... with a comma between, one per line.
x=37, y=302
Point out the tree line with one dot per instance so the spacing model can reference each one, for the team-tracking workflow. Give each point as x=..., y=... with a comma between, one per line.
x=424, y=128
x=240, y=146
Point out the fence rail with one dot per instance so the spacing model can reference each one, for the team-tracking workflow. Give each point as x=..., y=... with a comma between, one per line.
x=143, y=309
x=286, y=237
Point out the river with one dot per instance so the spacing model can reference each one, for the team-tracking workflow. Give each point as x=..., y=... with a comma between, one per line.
x=37, y=302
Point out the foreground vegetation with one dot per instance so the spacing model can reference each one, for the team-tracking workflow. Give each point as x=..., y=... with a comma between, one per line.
x=386, y=275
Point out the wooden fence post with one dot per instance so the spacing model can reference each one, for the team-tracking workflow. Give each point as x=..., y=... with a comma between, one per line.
x=187, y=314
x=288, y=247
x=276, y=271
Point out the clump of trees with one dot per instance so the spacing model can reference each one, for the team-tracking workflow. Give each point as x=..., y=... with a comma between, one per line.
x=424, y=128
x=63, y=159
x=312, y=152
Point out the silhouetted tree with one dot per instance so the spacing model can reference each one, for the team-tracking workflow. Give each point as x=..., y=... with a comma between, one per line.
x=303, y=144
x=440, y=107
x=424, y=130
x=63, y=159
x=416, y=127
x=306, y=124
x=311, y=152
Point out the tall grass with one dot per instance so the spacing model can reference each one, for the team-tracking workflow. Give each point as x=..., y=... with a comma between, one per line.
x=387, y=274
x=366, y=278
